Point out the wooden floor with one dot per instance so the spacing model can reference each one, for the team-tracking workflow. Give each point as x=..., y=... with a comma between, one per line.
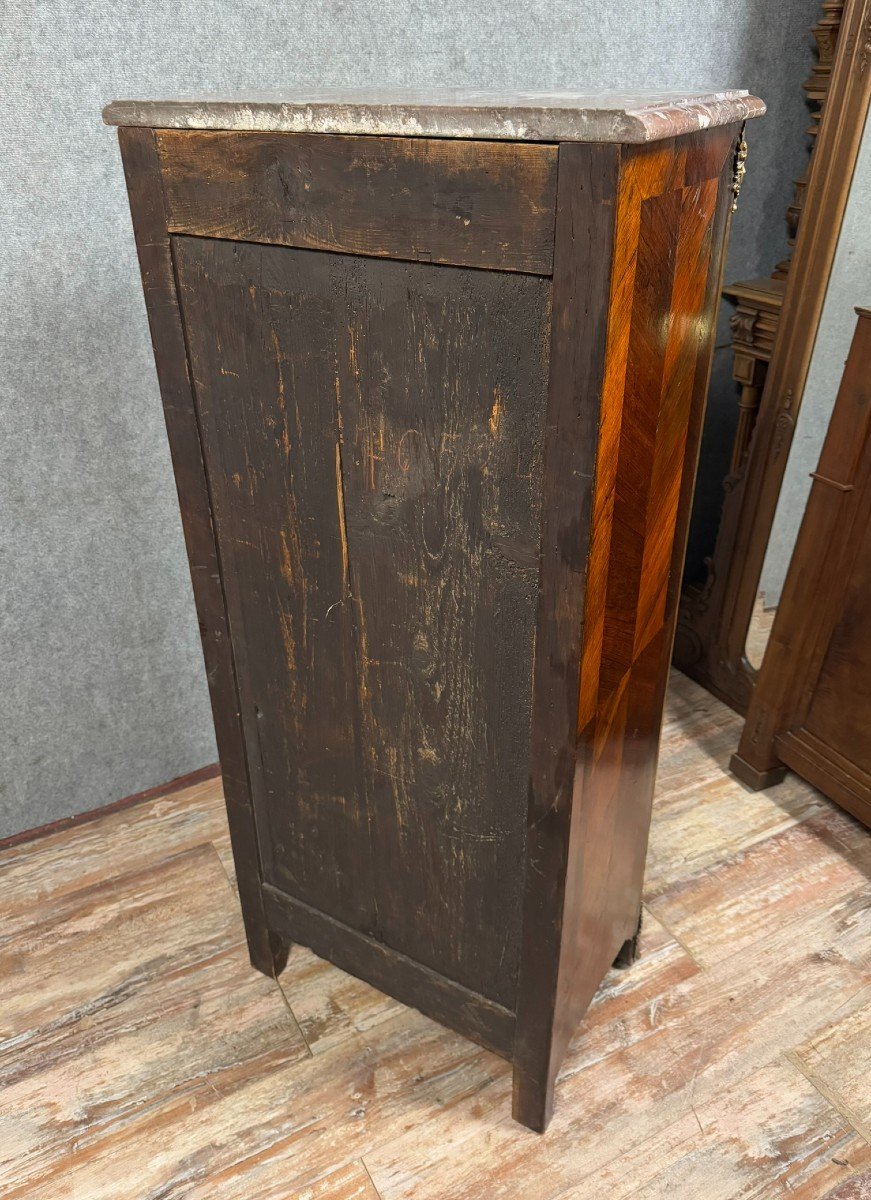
x=141, y=1057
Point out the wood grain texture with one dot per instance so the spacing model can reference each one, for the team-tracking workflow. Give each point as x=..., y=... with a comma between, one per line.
x=145, y=192
x=332, y=1006
x=687, y=838
x=156, y=1056
x=399, y=975
x=857, y=1188
x=373, y=476
x=667, y=208
x=641, y=513
x=640, y=1090
x=775, y=883
x=450, y=509
x=441, y=386
x=474, y=204
x=348, y=1183
x=174, y=998
x=270, y=436
x=123, y=841
x=586, y=200
x=838, y=1062
x=811, y=708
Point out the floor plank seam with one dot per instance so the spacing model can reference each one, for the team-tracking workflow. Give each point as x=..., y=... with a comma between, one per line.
x=275, y=979
x=671, y=933
x=365, y=1166
x=659, y=891
x=293, y=1016
x=791, y=1056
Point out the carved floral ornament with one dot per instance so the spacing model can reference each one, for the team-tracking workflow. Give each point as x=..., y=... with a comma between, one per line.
x=860, y=45
x=740, y=170
x=743, y=324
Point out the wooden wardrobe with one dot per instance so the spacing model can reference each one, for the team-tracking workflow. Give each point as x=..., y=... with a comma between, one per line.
x=811, y=708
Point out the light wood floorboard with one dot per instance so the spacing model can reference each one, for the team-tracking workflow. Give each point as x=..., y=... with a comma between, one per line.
x=142, y=1058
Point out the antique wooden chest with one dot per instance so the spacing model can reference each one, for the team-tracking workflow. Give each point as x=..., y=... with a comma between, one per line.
x=434, y=369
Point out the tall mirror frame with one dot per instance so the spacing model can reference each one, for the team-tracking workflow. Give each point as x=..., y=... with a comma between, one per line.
x=715, y=619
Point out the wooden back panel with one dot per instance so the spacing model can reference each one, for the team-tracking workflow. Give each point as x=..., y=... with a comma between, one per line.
x=372, y=435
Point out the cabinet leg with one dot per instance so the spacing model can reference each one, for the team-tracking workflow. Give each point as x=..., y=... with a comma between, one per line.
x=753, y=776
x=532, y=1103
x=628, y=952
x=268, y=952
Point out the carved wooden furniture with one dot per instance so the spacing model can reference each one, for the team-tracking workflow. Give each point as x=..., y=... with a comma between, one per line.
x=714, y=619
x=758, y=302
x=811, y=707
x=434, y=405
x=754, y=327
x=816, y=90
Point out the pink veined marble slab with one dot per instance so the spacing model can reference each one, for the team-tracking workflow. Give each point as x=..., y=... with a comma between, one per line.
x=458, y=113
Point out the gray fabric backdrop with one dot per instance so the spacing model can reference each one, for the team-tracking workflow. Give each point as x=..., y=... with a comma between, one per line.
x=102, y=689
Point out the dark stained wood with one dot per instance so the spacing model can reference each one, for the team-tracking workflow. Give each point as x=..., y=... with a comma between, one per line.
x=446, y=510
x=471, y=1014
x=671, y=203
x=811, y=709
x=142, y=173
x=442, y=384
x=419, y=525
x=476, y=204
x=263, y=355
x=629, y=951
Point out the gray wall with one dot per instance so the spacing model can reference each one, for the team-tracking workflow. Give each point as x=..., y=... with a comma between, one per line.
x=849, y=285
x=103, y=691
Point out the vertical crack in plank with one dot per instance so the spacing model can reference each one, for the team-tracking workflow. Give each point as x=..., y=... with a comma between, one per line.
x=350, y=625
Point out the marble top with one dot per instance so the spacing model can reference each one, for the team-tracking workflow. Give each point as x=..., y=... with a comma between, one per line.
x=456, y=113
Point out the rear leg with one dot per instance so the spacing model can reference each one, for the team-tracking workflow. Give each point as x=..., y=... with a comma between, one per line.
x=628, y=952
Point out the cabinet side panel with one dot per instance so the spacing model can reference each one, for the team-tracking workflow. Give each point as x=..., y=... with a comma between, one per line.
x=846, y=671
x=673, y=209
x=668, y=214
x=141, y=169
x=811, y=707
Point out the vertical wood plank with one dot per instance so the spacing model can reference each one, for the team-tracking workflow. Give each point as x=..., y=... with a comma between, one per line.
x=586, y=193
x=262, y=349
x=141, y=169
x=668, y=238
x=681, y=238
x=811, y=706
x=441, y=384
